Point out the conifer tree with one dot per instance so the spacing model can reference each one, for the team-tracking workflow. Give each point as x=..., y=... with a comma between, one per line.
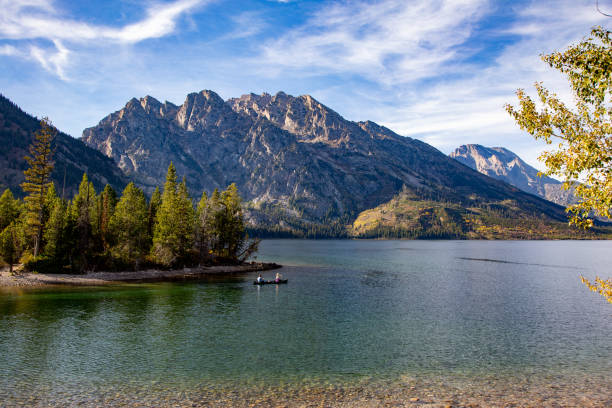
x=202, y=233
x=37, y=180
x=214, y=225
x=11, y=244
x=129, y=225
x=58, y=245
x=165, y=237
x=154, y=205
x=185, y=219
x=9, y=209
x=233, y=230
x=83, y=212
x=108, y=201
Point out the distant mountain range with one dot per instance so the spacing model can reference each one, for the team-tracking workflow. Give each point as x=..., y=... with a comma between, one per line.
x=302, y=169
x=72, y=157
x=502, y=164
x=299, y=164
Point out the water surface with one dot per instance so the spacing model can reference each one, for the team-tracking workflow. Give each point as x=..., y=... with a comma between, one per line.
x=503, y=316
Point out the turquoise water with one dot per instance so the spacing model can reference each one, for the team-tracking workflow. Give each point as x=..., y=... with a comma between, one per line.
x=353, y=312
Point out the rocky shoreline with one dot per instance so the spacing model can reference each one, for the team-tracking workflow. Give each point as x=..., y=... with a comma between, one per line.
x=27, y=279
x=475, y=393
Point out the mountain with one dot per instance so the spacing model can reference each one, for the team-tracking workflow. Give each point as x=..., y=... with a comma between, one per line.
x=300, y=166
x=502, y=164
x=72, y=157
x=410, y=216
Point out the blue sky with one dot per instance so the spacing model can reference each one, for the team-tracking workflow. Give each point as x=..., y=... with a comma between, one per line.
x=436, y=70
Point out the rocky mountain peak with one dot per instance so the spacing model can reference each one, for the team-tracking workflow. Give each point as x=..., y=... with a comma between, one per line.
x=505, y=165
x=152, y=106
x=303, y=116
x=499, y=161
x=150, y=102
x=289, y=155
x=203, y=109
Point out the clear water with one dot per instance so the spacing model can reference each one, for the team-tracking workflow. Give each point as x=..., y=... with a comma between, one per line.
x=353, y=312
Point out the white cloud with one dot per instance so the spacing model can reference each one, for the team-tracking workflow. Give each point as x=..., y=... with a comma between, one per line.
x=8, y=50
x=52, y=62
x=39, y=20
x=246, y=24
x=470, y=110
x=396, y=46
x=160, y=21
x=387, y=42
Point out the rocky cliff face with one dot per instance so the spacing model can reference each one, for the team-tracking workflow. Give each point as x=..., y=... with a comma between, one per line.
x=295, y=160
x=502, y=164
x=72, y=157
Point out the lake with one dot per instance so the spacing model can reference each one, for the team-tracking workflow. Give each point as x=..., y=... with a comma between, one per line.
x=359, y=323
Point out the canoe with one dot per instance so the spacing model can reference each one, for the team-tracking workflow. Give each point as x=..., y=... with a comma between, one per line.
x=271, y=282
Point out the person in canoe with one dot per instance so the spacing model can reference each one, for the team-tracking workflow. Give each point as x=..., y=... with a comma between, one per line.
x=278, y=277
x=260, y=279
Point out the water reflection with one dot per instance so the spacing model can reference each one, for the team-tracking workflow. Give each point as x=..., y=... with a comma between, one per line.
x=366, y=315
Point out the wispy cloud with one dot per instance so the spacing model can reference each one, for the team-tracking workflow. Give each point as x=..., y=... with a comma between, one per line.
x=246, y=24
x=416, y=59
x=52, y=61
x=39, y=20
x=8, y=50
x=438, y=70
x=387, y=41
x=470, y=109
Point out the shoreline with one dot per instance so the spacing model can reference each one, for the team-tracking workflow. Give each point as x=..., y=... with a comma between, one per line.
x=105, y=278
x=410, y=391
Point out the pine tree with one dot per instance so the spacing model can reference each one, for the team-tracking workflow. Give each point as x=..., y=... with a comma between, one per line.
x=37, y=180
x=164, y=248
x=108, y=201
x=11, y=244
x=202, y=233
x=129, y=225
x=215, y=222
x=9, y=209
x=83, y=212
x=154, y=205
x=185, y=220
x=225, y=228
x=57, y=243
x=233, y=231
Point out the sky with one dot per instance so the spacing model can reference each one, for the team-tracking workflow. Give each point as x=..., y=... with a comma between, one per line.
x=436, y=70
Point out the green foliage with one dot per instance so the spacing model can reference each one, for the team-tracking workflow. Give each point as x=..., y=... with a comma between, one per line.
x=11, y=244
x=185, y=221
x=107, y=203
x=154, y=205
x=37, y=180
x=173, y=231
x=83, y=212
x=129, y=226
x=57, y=231
x=220, y=229
x=583, y=135
x=202, y=232
x=9, y=209
x=92, y=232
x=230, y=223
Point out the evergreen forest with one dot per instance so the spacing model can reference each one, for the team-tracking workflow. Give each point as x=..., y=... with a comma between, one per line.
x=110, y=231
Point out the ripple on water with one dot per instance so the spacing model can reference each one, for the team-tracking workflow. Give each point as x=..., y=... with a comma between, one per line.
x=364, y=328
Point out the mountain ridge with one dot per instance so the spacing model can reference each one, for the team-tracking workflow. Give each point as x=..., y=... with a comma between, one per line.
x=72, y=157
x=505, y=165
x=296, y=162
